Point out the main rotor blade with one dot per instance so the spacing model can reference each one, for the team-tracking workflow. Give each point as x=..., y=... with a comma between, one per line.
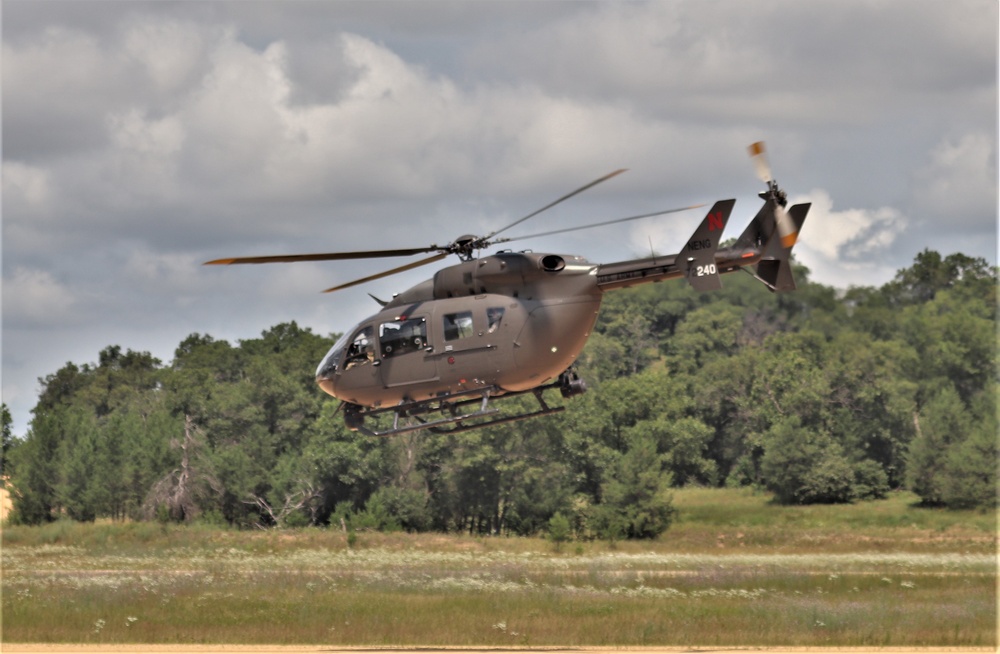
x=326, y=256
x=608, y=222
x=409, y=266
x=552, y=204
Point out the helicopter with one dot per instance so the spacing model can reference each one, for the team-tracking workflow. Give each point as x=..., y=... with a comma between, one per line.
x=441, y=355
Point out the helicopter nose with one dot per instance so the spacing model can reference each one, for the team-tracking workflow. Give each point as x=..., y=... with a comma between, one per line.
x=326, y=383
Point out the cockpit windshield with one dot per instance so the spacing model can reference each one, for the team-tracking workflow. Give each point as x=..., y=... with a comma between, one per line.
x=328, y=366
x=360, y=350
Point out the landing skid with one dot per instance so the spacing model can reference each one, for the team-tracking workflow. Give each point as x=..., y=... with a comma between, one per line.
x=413, y=414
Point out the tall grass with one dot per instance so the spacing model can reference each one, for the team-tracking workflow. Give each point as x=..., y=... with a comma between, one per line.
x=723, y=576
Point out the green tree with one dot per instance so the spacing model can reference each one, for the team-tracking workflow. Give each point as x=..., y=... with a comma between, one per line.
x=118, y=379
x=969, y=477
x=635, y=499
x=61, y=387
x=483, y=484
x=704, y=334
x=955, y=341
x=560, y=530
x=871, y=401
x=932, y=273
x=939, y=424
x=52, y=466
x=802, y=466
x=8, y=439
x=602, y=359
x=349, y=465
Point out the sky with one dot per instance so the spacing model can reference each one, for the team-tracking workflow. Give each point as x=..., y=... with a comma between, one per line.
x=141, y=139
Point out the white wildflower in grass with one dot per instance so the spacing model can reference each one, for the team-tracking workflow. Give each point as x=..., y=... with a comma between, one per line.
x=907, y=584
x=131, y=620
x=501, y=626
x=98, y=626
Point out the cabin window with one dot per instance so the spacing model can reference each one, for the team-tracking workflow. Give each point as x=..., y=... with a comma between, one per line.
x=402, y=336
x=493, y=317
x=457, y=325
x=362, y=348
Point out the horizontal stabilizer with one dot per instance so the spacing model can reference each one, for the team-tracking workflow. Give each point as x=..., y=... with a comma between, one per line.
x=697, y=259
x=776, y=274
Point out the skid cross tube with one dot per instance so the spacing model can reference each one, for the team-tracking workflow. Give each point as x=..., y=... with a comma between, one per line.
x=452, y=403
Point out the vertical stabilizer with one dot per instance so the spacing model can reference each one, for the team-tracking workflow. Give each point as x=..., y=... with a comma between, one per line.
x=775, y=267
x=697, y=259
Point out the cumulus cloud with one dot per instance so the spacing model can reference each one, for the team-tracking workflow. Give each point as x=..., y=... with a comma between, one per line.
x=171, y=53
x=849, y=246
x=777, y=63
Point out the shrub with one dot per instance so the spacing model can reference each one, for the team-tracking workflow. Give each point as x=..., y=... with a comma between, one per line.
x=560, y=530
x=801, y=466
x=870, y=481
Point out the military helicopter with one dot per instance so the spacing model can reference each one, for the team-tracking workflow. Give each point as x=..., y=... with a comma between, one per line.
x=442, y=354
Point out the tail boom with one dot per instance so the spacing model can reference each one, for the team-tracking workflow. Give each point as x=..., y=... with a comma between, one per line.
x=696, y=261
x=760, y=247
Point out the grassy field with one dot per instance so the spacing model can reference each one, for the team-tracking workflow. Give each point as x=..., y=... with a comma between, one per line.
x=734, y=570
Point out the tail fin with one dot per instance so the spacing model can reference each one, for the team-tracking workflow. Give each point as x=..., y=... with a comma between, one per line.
x=759, y=231
x=697, y=258
x=775, y=269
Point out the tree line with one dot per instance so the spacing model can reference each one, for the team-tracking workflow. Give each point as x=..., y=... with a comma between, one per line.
x=818, y=396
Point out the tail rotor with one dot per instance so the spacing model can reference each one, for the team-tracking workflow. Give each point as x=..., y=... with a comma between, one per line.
x=787, y=229
x=774, y=268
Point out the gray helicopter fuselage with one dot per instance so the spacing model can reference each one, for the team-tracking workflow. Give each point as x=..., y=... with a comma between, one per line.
x=509, y=321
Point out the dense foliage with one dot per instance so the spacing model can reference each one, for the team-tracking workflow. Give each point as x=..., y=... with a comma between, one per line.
x=817, y=395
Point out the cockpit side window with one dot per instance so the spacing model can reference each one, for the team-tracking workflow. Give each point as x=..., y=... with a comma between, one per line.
x=401, y=336
x=493, y=317
x=361, y=349
x=457, y=325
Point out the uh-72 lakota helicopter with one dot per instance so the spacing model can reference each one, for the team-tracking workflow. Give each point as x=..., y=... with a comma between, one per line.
x=442, y=354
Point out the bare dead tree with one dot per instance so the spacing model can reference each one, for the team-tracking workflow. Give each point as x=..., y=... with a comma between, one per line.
x=303, y=497
x=181, y=488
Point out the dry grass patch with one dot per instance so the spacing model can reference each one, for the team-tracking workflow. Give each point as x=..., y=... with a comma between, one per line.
x=724, y=576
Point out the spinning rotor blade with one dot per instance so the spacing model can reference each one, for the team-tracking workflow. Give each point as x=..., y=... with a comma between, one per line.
x=409, y=266
x=326, y=256
x=601, y=224
x=462, y=246
x=786, y=228
x=760, y=163
x=552, y=204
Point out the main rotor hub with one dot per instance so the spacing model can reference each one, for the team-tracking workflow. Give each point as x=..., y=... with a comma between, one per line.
x=465, y=246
